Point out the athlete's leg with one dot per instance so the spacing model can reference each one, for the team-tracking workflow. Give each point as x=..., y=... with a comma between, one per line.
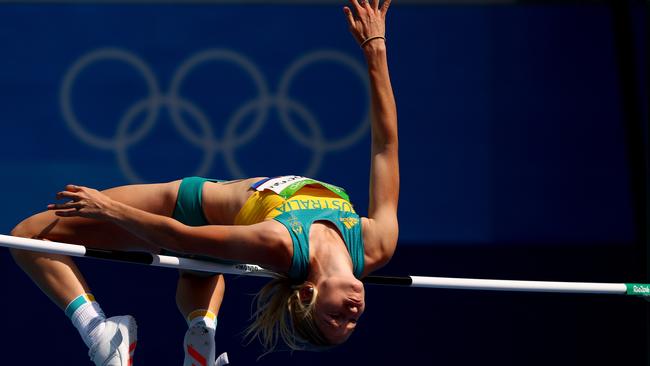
x=199, y=298
x=199, y=292
x=57, y=275
x=62, y=281
x=60, y=278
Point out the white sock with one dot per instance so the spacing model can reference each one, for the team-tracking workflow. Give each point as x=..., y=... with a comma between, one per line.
x=204, y=317
x=87, y=316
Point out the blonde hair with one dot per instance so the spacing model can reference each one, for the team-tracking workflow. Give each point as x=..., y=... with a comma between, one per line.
x=281, y=314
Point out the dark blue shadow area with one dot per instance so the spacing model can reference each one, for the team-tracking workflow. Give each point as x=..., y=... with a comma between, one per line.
x=401, y=326
x=520, y=159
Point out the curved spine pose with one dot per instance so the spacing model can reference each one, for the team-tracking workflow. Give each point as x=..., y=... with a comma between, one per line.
x=304, y=229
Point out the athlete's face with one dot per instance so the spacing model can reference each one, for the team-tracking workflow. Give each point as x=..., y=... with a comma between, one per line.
x=339, y=305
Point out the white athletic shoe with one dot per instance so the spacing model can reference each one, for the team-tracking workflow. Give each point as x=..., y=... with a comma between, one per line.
x=117, y=344
x=222, y=360
x=199, y=347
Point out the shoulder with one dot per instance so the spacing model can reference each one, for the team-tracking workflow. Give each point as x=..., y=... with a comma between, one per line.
x=380, y=242
x=278, y=243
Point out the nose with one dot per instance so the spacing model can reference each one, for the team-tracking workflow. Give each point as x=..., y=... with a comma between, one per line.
x=357, y=286
x=353, y=309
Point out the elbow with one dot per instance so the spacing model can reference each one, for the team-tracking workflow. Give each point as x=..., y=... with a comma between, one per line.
x=386, y=140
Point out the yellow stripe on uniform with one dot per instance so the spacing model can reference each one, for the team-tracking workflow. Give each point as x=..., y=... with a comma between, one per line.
x=266, y=205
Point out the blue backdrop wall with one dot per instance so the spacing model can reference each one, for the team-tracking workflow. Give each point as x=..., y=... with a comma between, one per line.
x=512, y=133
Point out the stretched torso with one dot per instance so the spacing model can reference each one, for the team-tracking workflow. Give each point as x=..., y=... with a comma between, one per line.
x=223, y=203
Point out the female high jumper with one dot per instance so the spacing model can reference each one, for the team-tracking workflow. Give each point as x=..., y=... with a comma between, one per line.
x=303, y=229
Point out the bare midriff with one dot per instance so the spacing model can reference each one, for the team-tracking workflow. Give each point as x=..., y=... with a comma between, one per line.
x=222, y=201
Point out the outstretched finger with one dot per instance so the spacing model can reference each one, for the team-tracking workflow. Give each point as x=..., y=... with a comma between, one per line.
x=67, y=194
x=349, y=16
x=68, y=213
x=375, y=4
x=384, y=8
x=65, y=206
x=72, y=188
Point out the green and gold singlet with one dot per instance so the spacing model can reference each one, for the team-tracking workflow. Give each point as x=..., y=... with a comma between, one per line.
x=297, y=202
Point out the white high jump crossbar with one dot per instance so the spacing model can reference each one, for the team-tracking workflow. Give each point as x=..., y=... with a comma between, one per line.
x=633, y=289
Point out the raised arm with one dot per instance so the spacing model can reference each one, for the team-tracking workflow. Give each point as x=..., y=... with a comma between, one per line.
x=367, y=25
x=261, y=243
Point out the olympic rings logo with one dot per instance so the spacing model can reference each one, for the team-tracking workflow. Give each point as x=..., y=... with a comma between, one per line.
x=178, y=107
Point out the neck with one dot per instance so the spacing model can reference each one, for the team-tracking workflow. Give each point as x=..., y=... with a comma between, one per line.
x=328, y=256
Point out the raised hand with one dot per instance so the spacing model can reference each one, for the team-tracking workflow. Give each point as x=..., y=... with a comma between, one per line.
x=367, y=20
x=84, y=202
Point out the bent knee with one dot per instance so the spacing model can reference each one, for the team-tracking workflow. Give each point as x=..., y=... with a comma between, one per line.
x=21, y=230
x=39, y=226
x=25, y=229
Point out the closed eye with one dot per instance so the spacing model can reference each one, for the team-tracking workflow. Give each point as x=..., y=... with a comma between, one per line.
x=335, y=319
